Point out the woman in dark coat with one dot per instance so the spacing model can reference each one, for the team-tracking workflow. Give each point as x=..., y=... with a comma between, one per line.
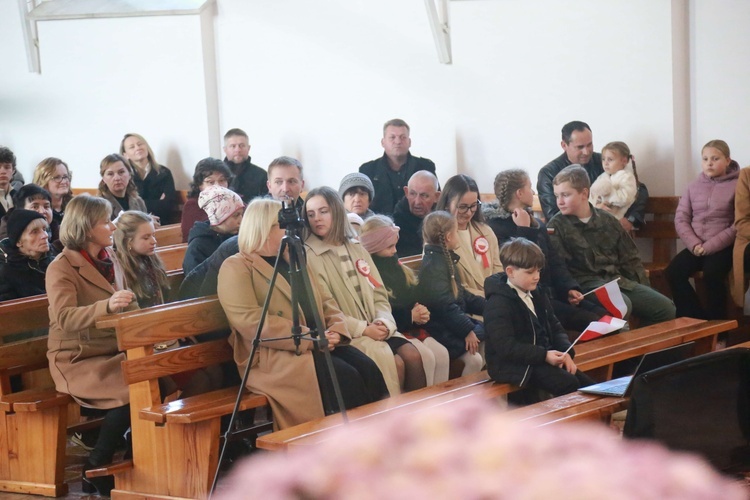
x=154, y=182
x=24, y=255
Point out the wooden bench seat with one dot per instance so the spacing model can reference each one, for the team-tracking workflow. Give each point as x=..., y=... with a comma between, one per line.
x=175, y=444
x=595, y=357
x=573, y=407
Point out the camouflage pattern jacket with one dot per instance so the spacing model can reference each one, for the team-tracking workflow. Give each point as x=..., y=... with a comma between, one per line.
x=598, y=251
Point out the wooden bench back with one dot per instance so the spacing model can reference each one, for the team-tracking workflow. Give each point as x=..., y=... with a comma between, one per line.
x=172, y=256
x=660, y=228
x=168, y=235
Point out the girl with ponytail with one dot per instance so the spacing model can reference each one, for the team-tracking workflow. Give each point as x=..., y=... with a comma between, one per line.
x=441, y=291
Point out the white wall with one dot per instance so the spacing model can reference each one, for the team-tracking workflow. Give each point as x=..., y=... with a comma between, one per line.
x=316, y=80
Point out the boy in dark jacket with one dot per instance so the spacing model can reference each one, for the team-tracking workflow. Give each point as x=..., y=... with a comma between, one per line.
x=525, y=342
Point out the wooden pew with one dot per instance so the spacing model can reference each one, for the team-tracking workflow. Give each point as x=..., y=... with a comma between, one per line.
x=32, y=421
x=175, y=445
x=172, y=256
x=595, y=357
x=168, y=235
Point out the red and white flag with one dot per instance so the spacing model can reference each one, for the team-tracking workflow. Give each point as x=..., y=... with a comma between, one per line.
x=610, y=297
x=596, y=329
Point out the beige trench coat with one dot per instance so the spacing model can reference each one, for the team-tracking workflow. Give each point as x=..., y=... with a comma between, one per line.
x=289, y=381
x=472, y=271
x=84, y=362
x=742, y=224
x=359, y=309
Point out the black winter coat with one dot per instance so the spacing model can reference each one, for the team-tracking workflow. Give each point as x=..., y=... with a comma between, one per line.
x=389, y=185
x=410, y=236
x=401, y=296
x=449, y=321
x=517, y=340
x=152, y=188
x=555, y=276
x=202, y=243
x=249, y=181
x=21, y=276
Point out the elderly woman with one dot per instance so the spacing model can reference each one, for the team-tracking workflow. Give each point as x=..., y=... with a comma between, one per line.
x=24, y=255
x=154, y=182
x=54, y=175
x=117, y=185
x=289, y=381
x=84, y=283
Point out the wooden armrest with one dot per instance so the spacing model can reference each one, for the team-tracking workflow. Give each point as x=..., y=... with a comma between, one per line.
x=110, y=469
x=207, y=406
x=34, y=400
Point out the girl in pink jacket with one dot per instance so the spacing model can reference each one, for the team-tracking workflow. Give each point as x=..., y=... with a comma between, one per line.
x=705, y=222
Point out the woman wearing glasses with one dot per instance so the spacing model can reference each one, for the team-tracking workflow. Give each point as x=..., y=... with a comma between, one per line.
x=478, y=250
x=53, y=175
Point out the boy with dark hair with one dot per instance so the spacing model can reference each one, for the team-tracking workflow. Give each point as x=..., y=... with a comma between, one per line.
x=7, y=171
x=526, y=343
x=597, y=250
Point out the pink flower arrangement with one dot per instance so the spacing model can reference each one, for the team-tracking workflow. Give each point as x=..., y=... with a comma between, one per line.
x=475, y=451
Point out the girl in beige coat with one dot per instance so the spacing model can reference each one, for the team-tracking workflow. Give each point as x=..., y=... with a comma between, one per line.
x=478, y=250
x=84, y=283
x=289, y=381
x=347, y=271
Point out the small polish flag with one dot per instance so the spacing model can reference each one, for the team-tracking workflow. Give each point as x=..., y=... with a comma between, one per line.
x=596, y=329
x=610, y=297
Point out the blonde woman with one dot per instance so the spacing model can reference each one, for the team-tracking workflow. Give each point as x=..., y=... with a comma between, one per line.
x=117, y=185
x=54, y=175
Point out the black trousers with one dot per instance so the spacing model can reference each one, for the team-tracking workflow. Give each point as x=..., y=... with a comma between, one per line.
x=551, y=379
x=116, y=422
x=359, y=378
x=715, y=268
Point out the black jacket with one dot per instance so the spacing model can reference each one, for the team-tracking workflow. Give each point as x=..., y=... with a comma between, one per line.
x=516, y=338
x=544, y=188
x=203, y=279
x=152, y=188
x=202, y=242
x=449, y=321
x=389, y=185
x=249, y=181
x=555, y=276
x=410, y=236
x=21, y=276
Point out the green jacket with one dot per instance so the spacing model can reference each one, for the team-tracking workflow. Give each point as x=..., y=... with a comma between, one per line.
x=597, y=251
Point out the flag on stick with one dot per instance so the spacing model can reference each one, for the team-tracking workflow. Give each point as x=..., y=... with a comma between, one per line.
x=596, y=329
x=610, y=297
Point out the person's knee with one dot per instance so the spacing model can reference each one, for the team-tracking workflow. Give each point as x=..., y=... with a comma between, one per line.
x=409, y=354
x=472, y=363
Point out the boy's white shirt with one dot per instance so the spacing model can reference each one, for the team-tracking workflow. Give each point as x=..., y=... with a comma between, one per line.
x=525, y=297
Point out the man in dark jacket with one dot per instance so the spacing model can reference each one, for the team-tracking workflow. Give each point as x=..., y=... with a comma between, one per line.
x=391, y=172
x=250, y=181
x=578, y=146
x=421, y=197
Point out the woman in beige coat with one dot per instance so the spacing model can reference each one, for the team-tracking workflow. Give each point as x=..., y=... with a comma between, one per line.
x=84, y=283
x=478, y=252
x=289, y=381
x=347, y=271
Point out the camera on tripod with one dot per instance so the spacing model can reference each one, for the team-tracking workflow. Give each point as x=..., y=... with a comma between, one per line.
x=288, y=216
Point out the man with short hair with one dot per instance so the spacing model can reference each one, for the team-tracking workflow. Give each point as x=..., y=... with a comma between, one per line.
x=7, y=170
x=285, y=181
x=391, y=172
x=578, y=148
x=597, y=250
x=421, y=196
x=249, y=180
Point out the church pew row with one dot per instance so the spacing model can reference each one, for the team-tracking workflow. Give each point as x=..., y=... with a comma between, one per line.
x=175, y=444
x=595, y=358
x=34, y=420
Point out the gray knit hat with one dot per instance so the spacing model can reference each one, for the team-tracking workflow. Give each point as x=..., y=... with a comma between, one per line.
x=356, y=180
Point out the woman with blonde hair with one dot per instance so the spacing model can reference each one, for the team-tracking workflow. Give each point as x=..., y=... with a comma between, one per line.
x=54, y=175
x=289, y=381
x=117, y=185
x=154, y=182
x=347, y=271
x=84, y=283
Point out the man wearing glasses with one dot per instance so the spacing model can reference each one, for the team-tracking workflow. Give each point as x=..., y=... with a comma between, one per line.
x=391, y=172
